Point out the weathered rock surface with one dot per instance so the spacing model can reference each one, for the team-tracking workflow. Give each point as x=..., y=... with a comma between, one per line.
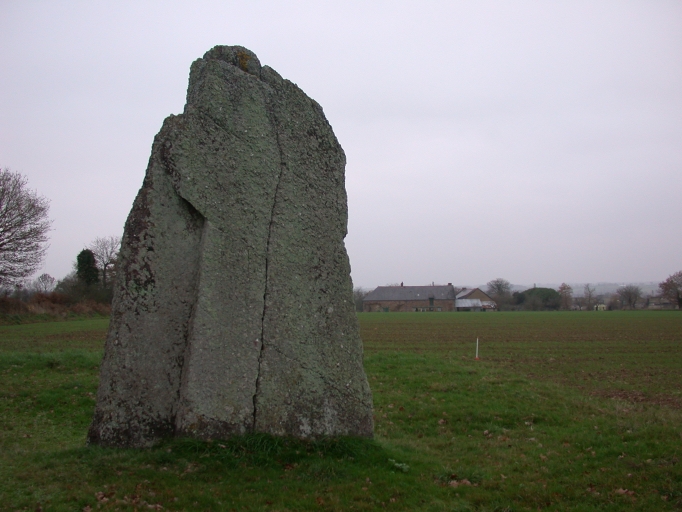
x=233, y=308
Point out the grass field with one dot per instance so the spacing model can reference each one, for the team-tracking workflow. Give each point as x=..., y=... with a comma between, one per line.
x=563, y=411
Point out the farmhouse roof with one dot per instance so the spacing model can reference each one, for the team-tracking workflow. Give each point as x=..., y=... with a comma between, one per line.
x=446, y=292
x=468, y=291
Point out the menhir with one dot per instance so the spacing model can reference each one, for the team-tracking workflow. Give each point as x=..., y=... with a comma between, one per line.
x=233, y=307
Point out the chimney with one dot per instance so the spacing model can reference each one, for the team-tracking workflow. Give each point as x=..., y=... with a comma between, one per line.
x=449, y=284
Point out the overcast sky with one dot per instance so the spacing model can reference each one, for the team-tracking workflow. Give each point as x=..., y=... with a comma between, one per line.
x=536, y=141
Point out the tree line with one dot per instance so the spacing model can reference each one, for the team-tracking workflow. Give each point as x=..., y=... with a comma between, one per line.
x=24, y=227
x=86, y=289
x=563, y=298
x=94, y=272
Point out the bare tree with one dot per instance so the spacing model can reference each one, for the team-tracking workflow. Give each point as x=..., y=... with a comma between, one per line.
x=358, y=295
x=672, y=288
x=500, y=290
x=580, y=302
x=499, y=287
x=613, y=302
x=566, y=293
x=629, y=295
x=44, y=284
x=105, y=250
x=588, y=295
x=23, y=227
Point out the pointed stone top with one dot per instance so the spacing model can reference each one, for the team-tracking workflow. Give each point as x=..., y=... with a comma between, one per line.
x=238, y=56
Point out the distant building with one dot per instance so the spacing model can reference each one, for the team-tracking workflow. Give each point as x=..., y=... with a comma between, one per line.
x=410, y=298
x=468, y=305
x=426, y=298
x=660, y=303
x=474, y=299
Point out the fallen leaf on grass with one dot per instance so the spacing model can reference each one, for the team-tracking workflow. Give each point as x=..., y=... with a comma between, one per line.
x=133, y=499
x=103, y=497
x=624, y=491
x=442, y=421
x=456, y=483
x=190, y=468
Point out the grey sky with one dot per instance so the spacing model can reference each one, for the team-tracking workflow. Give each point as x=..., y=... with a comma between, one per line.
x=535, y=141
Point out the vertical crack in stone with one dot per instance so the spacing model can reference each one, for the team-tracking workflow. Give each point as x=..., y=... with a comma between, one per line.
x=282, y=166
x=179, y=407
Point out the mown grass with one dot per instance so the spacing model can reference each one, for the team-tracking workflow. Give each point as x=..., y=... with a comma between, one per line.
x=33, y=318
x=564, y=411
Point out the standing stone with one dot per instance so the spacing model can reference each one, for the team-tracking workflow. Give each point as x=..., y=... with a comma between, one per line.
x=233, y=307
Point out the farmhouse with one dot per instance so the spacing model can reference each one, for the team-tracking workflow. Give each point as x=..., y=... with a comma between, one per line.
x=474, y=299
x=660, y=302
x=410, y=298
x=426, y=298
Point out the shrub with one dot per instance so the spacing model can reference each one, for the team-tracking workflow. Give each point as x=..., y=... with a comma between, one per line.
x=537, y=299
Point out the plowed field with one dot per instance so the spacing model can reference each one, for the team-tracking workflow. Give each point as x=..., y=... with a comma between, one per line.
x=634, y=356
